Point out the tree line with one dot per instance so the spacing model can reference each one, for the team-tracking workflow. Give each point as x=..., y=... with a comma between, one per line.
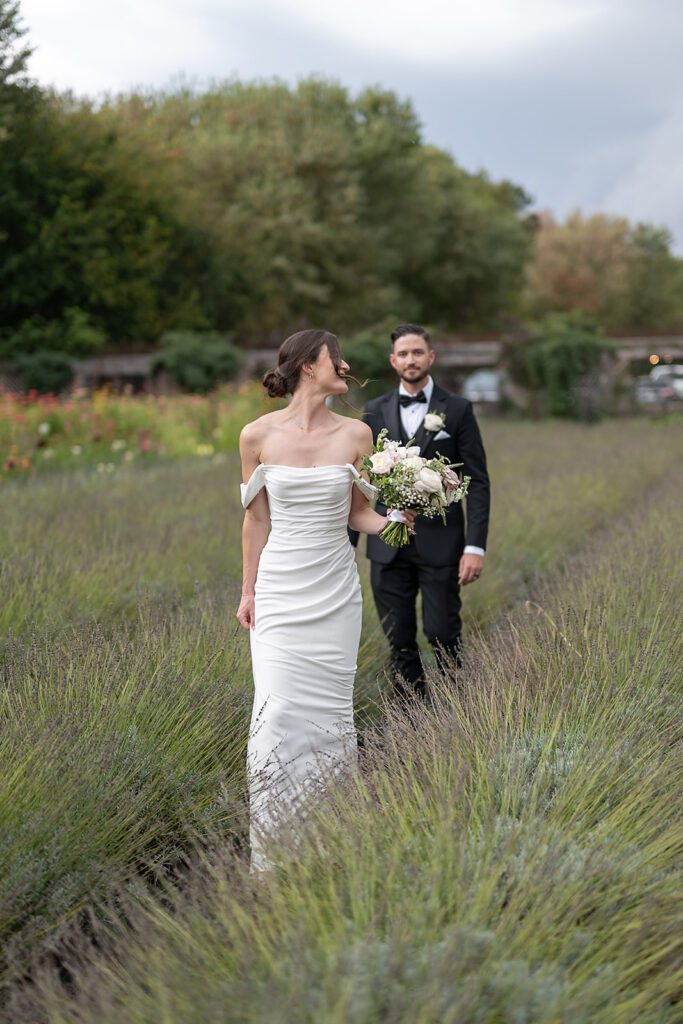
x=252, y=209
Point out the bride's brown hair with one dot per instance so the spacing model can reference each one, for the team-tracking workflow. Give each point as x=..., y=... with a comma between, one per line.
x=295, y=352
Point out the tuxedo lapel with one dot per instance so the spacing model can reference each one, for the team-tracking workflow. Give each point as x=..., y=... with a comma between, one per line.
x=392, y=418
x=425, y=438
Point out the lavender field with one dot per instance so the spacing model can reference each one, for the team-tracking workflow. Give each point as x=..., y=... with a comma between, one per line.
x=511, y=852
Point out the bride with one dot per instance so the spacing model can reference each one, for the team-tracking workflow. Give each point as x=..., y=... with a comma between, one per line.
x=301, y=597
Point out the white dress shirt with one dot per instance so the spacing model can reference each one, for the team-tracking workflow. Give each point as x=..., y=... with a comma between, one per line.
x=413, y=415
x=411, y=421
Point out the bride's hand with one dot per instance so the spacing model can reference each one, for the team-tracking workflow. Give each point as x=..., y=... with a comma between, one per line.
x=409, y=516
x=245, y=612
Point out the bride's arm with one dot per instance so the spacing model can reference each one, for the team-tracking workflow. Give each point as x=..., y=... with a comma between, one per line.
x=255, y=529
x=365, y=520
x=361, y=516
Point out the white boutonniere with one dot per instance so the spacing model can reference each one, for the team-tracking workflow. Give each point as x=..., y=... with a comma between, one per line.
x=434, y=421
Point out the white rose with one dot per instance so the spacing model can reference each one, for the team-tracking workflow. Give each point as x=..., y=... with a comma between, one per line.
x=413, y=450
x=400, y=453
x=382, y=462
x=413, y=462
x=433, y=422
x=429, y=480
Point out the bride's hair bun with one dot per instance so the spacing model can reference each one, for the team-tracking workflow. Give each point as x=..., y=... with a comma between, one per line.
x=295, y=351
x=275, y=384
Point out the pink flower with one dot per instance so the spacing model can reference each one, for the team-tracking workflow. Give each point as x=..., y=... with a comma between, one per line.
x=451, y=480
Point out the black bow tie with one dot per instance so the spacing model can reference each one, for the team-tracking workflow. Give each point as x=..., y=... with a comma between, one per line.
x=409, y=399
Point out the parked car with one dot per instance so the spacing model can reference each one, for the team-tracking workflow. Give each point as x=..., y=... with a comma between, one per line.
x=651, y=390
x=482, y=386
x=672, y=373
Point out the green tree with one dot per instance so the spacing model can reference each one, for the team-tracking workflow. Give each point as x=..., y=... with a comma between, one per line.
x=251, y=208
x=14, y=55
x=323, y=208
x=655, y=284
x=273, y=175
x=624, y=276
x=465, y=255
x=86, y=225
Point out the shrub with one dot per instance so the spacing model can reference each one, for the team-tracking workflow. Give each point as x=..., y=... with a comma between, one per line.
x=46, y=372
x=560, y=365
x=197, y=360
x=367, y=353
x=74, y=333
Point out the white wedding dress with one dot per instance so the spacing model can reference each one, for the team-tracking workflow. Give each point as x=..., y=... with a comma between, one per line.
x=304, y=644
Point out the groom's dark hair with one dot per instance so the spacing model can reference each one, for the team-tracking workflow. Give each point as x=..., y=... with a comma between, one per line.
x=403, y=329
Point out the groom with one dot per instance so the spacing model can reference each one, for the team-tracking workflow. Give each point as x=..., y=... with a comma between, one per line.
x=439, y=559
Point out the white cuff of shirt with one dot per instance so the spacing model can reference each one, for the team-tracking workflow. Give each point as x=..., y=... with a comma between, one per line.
x=470, y=549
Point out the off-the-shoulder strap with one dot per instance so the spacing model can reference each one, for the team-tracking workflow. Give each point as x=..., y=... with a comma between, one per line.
x=253, y=485
x=369, y=490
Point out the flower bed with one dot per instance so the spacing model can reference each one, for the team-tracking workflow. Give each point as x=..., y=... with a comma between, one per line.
x=104, y=430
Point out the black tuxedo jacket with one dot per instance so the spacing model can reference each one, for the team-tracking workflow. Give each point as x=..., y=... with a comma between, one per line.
x=438, y=545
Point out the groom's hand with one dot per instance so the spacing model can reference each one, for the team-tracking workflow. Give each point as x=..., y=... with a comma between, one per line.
x=471, y=567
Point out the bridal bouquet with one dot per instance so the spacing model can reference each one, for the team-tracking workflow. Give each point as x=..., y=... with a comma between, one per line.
x=404, y=479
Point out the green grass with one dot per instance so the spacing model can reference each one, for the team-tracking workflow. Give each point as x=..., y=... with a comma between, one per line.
x=553, y=484
x=125, y=688
x=509, y=854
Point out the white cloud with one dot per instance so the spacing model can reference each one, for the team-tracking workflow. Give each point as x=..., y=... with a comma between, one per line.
x=651, y=188
x=97, y=46
x=436, y=30
x=112, y=46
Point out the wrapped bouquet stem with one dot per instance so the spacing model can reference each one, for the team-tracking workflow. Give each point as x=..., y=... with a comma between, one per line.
x=395, y=532
x=406, y=480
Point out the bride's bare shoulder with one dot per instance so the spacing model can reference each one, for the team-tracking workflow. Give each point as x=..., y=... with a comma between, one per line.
x=253, y=435
x=359, y=435
x=355, y=429
x=258, y=429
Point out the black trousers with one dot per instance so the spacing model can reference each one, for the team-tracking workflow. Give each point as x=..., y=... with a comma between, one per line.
x=395, y=588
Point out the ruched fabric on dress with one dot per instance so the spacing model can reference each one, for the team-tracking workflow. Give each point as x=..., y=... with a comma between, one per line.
x=304, y=645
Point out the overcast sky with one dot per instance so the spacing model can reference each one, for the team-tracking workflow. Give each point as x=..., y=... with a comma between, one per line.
x=578, y=101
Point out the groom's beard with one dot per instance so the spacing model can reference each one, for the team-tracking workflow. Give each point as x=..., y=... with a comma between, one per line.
x=413, y=377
